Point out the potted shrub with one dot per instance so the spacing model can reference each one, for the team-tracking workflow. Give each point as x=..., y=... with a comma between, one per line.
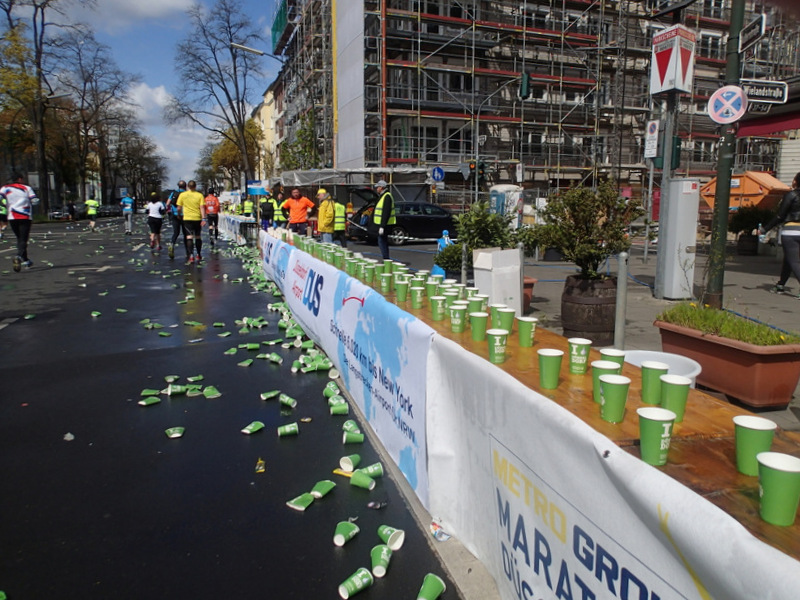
x=743, y=222
x=588, y=225
x=748, y=361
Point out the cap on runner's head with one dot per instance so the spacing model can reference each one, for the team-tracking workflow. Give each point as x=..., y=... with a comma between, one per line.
x=381, y=184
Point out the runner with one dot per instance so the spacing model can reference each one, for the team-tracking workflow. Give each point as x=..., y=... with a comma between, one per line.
x=174, y=216
x=191, y=206
x=19, y=199
x=212, y=214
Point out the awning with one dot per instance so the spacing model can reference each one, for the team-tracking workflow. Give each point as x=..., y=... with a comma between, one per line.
x=769, y=125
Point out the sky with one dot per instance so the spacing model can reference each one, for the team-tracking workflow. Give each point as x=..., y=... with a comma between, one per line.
x=142, y=36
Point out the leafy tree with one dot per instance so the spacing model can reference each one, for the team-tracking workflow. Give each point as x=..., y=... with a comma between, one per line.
x=301, y=153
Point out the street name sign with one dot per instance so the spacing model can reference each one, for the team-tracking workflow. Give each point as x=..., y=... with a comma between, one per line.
x=765, y=90
x=752, y=32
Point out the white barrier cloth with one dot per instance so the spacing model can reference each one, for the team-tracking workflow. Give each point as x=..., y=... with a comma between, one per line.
x=556, y=510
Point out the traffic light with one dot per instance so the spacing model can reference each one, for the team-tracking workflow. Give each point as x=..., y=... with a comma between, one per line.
x=524, y=86
x=481, y=171
x=472, y=168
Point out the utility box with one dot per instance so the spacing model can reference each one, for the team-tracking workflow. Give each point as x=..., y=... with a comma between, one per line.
x=506, y=199
x=680, y=245
x=498, y=274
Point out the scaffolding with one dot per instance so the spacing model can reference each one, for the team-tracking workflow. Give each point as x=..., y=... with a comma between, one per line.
x=442, y=82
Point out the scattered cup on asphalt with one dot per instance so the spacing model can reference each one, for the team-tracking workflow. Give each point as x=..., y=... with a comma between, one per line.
x=360, y=580
x=674, y=393
x=349, y=463
x=361, y=479
x=655, y=433
x=613, y=396
x=432, y=587
x=477, y=324
x=652, y=370
x=373, y=470
x=322, y=488
x=753, y=436
x=549, y=367
x=392, y=537
x=380, y=555
x=498, y=339
x=526, y=330
x=578, y=355
x=613, y=354
x=288, y=429
x=349, y=437
x=345, y=531
x=602, y=367
x=351, y=426
x=778, y=487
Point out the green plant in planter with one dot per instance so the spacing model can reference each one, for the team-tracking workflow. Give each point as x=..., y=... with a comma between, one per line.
x=528, y=236
x=588, y=225
x=477, y=228
x=747, y=218
x=726, y=324
x=449, y=258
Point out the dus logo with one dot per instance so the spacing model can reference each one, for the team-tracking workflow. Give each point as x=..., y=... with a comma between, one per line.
x=313, y=291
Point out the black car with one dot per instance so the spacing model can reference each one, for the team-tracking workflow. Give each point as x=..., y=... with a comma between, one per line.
x=416, y=222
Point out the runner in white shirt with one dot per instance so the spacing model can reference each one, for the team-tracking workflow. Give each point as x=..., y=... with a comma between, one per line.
x=155, y=217
x=19, y=200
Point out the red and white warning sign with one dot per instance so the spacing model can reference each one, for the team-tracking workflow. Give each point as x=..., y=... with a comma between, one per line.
x=672, y=60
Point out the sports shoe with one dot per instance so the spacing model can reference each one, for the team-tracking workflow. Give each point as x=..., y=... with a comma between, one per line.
x=171, y=251
x=159, y=246
x=778, y=289
x=152, y=243
x=199, y=258
x=17, y=264
x=27, y=263
x=190, y=260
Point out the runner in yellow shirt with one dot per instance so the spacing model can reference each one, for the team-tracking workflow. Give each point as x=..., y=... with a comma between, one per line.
x=191, y=205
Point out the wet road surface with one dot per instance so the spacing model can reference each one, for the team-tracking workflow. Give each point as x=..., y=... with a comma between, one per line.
x=97, y=502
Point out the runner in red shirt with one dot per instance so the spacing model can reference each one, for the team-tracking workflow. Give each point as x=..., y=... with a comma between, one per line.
x=212, y=214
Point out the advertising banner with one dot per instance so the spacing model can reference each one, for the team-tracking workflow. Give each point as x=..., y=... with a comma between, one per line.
x=379, y=349
x=556, y=510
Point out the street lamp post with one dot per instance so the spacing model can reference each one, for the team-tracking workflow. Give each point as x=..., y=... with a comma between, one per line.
x=475, y=134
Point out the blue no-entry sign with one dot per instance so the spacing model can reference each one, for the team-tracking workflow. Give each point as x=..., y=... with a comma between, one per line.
x=727, y=105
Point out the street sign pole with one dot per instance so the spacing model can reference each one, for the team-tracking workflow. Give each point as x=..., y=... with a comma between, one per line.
x=725, y=158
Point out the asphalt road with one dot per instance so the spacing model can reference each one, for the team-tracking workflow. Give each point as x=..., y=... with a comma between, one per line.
x=97, y=502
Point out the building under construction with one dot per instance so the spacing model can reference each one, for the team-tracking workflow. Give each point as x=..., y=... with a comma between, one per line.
x=546, y=94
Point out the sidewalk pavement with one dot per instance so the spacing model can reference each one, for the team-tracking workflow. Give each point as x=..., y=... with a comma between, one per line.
x=747, y=282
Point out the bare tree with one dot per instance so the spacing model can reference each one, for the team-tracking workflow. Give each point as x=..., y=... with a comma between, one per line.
x=215, y=78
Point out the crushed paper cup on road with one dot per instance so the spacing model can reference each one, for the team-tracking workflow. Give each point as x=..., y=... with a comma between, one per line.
x=253, y=427
x=362, y=480
x=149, y=400
x=171, y=378
x=287, y=400
x=211, y=392
x=175, y=432
x=302, y=502
x=345, y=531
x=150, y=392
x=245, y=363
x=392, y=537
x=176, y=390
x=322, y=488
x=350, y=462
x=288, y=429
x=269, y=395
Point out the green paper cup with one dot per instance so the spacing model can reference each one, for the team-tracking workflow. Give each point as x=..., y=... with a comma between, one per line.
x=432, y=587
x=374, y=470
x=753, y=436
x=388, y=266
x=360, y=580
x=484, y=302
x=655, y=432
x=386, y=282
x=417, y=296
x=475, y=304
x=379, y=270
x=362, y=480
x=401, y=289
x=340, y=409
x=602, y=367
x=449, y=298
x=506, y=317
x=331, y=389
x=674, y=393
x=549, y=367
x=351, y=426
x=288, y=429
x=779, y=487
x=437, y=308
x=458, y=318
x=302, y=502
x=494, y=312
x=369, y=274
x=345, y=531
x=477, y=323
x=612, y=354
x=652, y=370
x=613, y=396
x=526, y=330
x=348, y=437
x=578, y=355
x=380, y=556
x=322, y=488
x=498, y=339
x=431, y=287
x=349, y=463
x=392, y=537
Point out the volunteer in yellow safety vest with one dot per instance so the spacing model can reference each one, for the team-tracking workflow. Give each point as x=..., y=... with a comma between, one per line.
x=384, y=216
x=340, y=224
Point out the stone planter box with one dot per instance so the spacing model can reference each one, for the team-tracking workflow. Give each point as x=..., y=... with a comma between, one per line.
x=759, y=376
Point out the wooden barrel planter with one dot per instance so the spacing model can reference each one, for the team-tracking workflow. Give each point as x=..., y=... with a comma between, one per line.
x=588, y=309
